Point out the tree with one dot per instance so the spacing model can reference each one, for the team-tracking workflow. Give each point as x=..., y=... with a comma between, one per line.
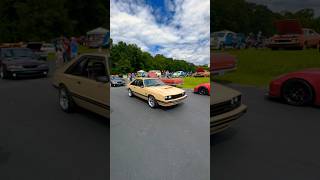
x=127, y=58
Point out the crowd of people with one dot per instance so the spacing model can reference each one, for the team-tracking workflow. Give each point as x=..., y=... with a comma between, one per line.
x=66, y=49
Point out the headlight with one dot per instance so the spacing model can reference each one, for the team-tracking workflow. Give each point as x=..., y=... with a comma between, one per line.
x=236, y=100
x=15, y=67
x=168, y=97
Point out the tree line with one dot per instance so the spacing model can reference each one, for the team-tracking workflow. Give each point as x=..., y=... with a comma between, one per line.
x=127, y=58
x=246, y=17
x=38, y=20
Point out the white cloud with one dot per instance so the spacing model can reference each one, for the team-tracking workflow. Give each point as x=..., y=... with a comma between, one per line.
x=186, y=36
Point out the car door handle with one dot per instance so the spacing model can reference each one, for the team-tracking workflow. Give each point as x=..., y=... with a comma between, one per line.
x=78, y=82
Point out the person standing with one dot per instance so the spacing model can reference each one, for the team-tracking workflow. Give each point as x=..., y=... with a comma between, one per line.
x=74, y=48
x=130, y=77
x=59, y=58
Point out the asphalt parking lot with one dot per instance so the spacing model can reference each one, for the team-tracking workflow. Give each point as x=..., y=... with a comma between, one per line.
x=38, y=141
x=272, y=141
x=159, y=144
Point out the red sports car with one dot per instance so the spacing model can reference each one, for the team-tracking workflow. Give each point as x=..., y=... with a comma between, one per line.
x=203, y=89
x=298, y=88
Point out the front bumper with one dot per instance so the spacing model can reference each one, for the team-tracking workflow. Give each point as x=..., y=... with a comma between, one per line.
x=28, y=73
x=172, y=102
x=223, y=121
x=285, y=45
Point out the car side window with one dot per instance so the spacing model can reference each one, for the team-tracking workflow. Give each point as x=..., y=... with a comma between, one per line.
x=77, y=68
x=137, y=82
x=134, y=83
x=140, y=83
x=95, y=68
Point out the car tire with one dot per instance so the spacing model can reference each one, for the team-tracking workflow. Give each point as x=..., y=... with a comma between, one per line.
x=65, y=100
x=152, y=102
x=3, y=73
x=203, y=91
x=130, y=93
x=297, y=92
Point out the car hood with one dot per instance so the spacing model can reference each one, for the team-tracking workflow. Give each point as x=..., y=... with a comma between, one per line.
x=34, y=46
x=221, y=93
x=312, y=70
x=23, y=61
x=204, y=84
x=117, y=80
x=289, y=26
x=166, y=90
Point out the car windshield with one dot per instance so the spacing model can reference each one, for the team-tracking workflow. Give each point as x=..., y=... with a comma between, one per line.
x=153, y=82
x=16, y=53
x=116, y=78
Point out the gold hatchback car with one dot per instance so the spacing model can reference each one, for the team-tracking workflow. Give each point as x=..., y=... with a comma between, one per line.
x=156, y=92
x=85, y=82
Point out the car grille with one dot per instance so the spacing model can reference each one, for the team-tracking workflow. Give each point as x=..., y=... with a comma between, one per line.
x=284, y=41
x=30, y=66
x=177, y=96
x=224, y=107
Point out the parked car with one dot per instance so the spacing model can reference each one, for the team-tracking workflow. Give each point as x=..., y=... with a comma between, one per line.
x=201, y=74
x=292, y=35
x=84, y=82
x=48, y=48
x=223, y=39
x=157, y=72
x=156, y=92
x=167, y=81
x=202, y=89
x=20, y=62
x=225, y=107
x=36, y=48
x=172, y=81
x=179, y=74
x=142, y=73
x=221, y=63
x=117, y=81
x=297, y=88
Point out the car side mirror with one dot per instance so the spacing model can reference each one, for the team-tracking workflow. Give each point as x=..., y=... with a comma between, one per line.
x=102, y=79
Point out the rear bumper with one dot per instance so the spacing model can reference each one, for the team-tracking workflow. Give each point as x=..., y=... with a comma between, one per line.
x=172, y=102
x=221, y=122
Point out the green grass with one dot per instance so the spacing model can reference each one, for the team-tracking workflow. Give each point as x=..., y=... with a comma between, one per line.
x=259, y=67
x=191, y=82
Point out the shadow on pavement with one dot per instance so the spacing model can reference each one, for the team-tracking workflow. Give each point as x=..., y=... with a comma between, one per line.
x=222, y=137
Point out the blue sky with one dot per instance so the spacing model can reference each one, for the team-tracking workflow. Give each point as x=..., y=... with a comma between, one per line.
x=176, y=28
